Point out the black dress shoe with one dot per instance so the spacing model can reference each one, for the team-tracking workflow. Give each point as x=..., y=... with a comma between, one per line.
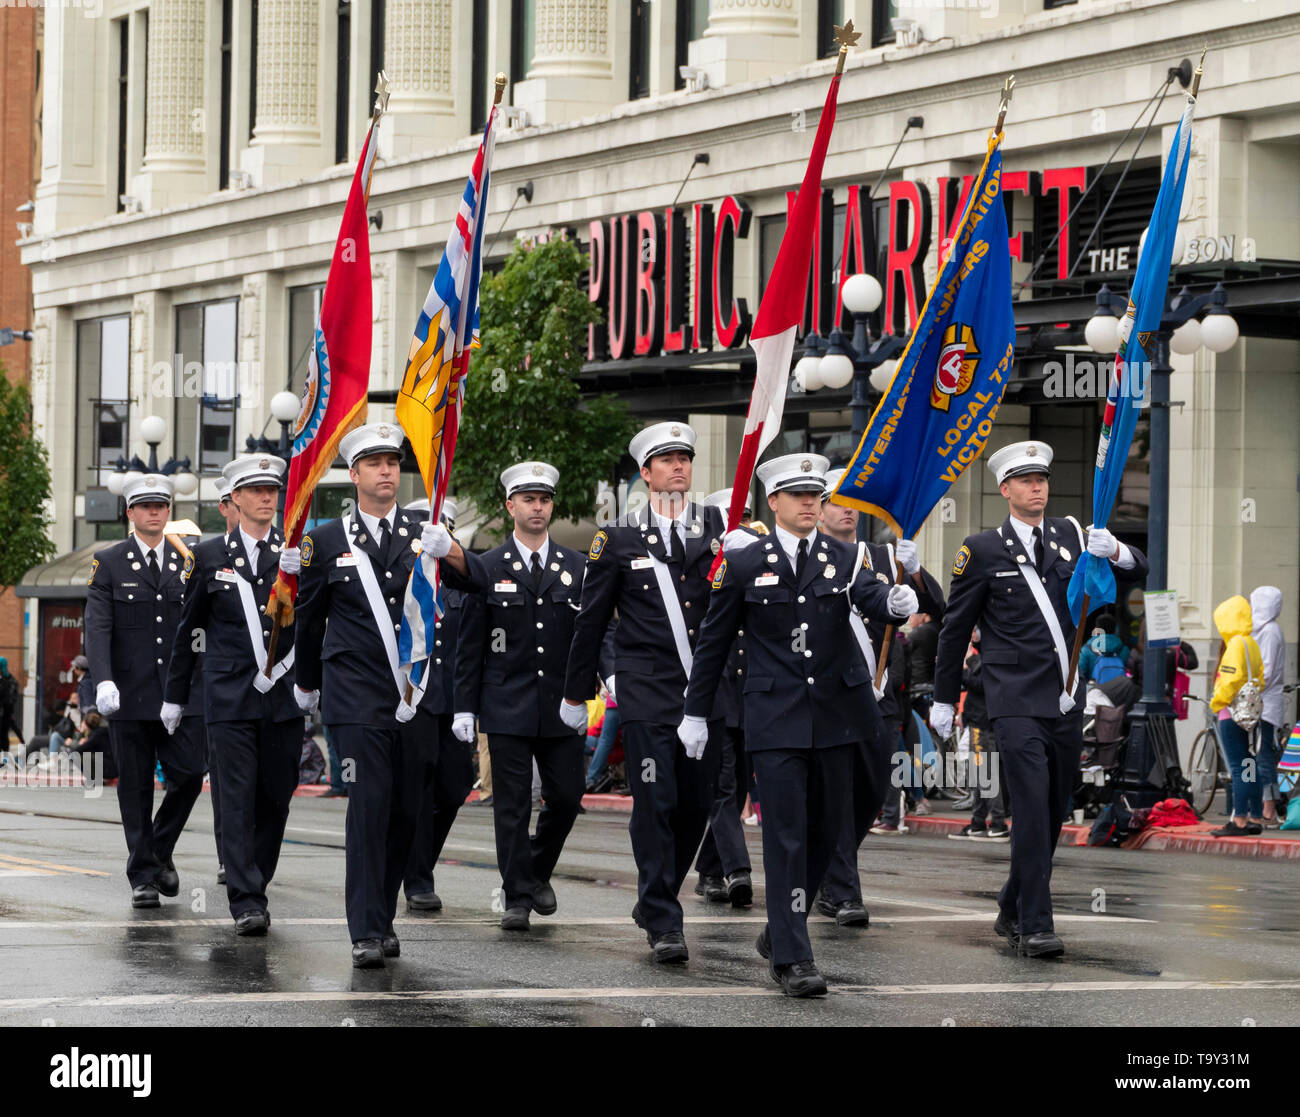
x=636, y=915
x=252, y=922
x=1041, y=944
x=763, y=944
x=544, y=898
x=712, y=888
x=168, y=881
x=145, y=896
x=669, y=947
x=390, y=946
x=740, y=889
x=221, y=874
x=423, y=901
x=1005, y=926
x=847, y=913
x=515, y=919
x=800, y=979
x=367, y=954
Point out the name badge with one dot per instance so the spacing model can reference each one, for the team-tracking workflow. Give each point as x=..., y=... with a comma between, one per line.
x=642, y=563
x=346, y=560
x=227, y=576
x=505, y=587
x=766, y=580
x=1007, y=574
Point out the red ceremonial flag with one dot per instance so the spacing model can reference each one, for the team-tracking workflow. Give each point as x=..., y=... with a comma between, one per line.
x=338, y=375
x=779, y=316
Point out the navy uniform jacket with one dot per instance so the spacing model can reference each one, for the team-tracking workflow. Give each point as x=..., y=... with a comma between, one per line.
x=1020, y=670
x=515, y=643
x=345, y=659
x=131, y=622
x=807, y=684
x=649, y=680
x=213, y=604
x=446, y=637
x=931, y=601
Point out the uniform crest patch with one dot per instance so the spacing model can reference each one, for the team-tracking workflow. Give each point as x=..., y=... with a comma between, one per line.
x=721, y=575
x=307, y=548
x=189, y=566
x=597, y=546
x=94, y=566
x=963, y=557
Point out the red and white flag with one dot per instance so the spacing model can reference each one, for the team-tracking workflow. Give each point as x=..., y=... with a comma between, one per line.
x=779, y=316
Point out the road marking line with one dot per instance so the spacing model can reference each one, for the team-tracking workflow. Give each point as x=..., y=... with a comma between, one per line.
x=615, y=993
x=28, y=861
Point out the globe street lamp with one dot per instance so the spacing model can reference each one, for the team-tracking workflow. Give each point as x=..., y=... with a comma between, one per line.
x=153, y=429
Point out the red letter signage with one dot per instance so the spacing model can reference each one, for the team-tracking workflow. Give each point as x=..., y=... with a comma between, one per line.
x=730, y=314
x=909, y=206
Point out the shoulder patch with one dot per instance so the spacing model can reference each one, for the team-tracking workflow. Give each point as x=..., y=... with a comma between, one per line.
x=963, y=557
x=721, y=575
x=597, y=546
x=94, y=566
x=188, y=567
x=306, y=547
x=866, y=560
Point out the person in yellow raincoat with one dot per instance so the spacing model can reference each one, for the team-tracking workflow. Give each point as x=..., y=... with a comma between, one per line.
x=1239, y=664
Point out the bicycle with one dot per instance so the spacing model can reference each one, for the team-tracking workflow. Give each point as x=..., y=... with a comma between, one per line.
x=1207, y=768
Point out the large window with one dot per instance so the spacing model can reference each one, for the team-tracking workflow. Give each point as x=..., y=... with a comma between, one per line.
x=883, y=13
x=208, y=398
x=103, y=407
x=227, y=59
x=342, y=81
x=523, y=37
x=830, y=15
x=692, y=21
x=478, y=66
x=304, y=309
x=638, y=82
x=252, y=67
x=123, y=87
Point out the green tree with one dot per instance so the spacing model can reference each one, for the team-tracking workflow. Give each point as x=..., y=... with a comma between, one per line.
x=24, y=487
x=522, y=400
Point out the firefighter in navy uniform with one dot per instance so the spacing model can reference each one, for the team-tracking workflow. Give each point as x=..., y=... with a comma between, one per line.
x=510, y=675
x=226, y=506
x=1011, y=581
x=354, y=576
x=133, y=607
x=453, y=767
x=723, y=863
x=255, y=728
x=653, y=568
x=841, y=894
x=807, y=694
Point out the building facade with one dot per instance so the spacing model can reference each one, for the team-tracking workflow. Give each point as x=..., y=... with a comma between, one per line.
x=198, y=152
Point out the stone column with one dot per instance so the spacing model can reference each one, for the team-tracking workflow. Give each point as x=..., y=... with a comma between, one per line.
x=176, y=123
x=748, y=40
x=286, y=142
x=422, y=69
x=572, y=74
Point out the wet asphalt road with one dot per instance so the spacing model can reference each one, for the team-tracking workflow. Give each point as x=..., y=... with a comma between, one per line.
x=1179, y=939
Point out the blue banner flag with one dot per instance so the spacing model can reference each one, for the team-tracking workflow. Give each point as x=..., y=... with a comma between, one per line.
x=938, y=411
x=1093, y=576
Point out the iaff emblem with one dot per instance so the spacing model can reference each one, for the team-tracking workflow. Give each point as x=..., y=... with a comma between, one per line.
x=956, y=368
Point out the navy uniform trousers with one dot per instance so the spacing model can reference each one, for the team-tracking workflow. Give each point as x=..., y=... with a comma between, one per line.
x=1039, y=760
x=872, y=784
x=214, y=789
x=671, y=798
x=256, y=774
x=390, y=768
x=723, y=851
x=137, y=746
x=526, y=860
x=449, y=780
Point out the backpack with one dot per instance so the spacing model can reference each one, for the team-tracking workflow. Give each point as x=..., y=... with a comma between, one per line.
x=1247, y=707
x=1106, y=668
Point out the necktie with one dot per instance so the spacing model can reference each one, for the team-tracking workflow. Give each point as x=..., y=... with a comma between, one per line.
x=677, y=549
x=535, y=569
x=382, y=538
x=153, y=563
x=261, y=553
x=1038, y=549
x=801, y=561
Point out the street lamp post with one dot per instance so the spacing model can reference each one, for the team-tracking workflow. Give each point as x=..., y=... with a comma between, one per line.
x=284, y=410
x=153, y=429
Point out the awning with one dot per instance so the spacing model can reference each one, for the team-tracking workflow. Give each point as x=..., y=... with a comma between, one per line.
x=63, y=577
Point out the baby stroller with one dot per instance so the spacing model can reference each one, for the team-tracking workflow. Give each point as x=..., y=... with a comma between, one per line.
x=1105, y=733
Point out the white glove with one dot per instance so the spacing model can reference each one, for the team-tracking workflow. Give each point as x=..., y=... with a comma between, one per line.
x=1101, y=543
x=609, y=686
x=903, y=601
x=107, y=699
x=290, y=560
x=435, y=540
x=261, y=683
x=307, y=700
x=574, y=715
x=462, y=728
x=941, y=715
x=905, y=552
x=693, y=732
x=737, y=540
x=405, y=712
x=170, y=714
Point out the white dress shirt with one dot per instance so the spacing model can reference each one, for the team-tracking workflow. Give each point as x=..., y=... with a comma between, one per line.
x=371, y=523
x=250, y=543
x=667, y=526
x=526, y=553
x=790, y=544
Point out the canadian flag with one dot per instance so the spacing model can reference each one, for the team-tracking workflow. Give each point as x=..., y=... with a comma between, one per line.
x=779, y=316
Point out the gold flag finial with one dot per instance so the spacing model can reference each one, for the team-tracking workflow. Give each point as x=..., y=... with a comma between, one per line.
x=1200, y=69
x=846, y=37
x=1008, y=88
x=501, y=80
x=381, y=93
